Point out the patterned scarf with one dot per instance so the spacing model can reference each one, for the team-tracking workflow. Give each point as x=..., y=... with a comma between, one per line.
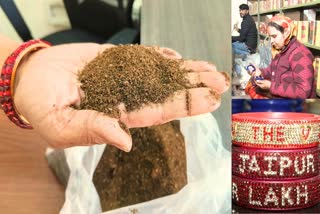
x=286, y=23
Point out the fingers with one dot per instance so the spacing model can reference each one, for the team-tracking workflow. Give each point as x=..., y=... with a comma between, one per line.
x=218, y=81
x=264, y=84
x=105, y=46
x=166, y=52
x=198, y=66
x=202, y=72
x=257, y=72
x=184, y=103
x=258, y=83
x=71, y=127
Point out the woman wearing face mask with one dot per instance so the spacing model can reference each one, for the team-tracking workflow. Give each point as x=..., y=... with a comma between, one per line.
x=290, y=73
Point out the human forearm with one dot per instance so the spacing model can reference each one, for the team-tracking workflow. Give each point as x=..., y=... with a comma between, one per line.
x=7, y=47
x=266, y=72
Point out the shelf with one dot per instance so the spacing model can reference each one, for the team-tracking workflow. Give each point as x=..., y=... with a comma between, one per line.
x=311, y=46
x=305, y=44
x=292, y=7
x=267, y=12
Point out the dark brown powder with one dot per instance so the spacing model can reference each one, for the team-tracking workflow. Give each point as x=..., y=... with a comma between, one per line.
x=155, y=167
x=129, y=74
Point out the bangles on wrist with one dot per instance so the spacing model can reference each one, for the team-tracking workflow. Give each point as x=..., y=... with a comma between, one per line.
x=7, y=78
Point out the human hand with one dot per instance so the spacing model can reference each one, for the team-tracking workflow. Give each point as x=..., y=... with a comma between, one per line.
x=257, y=75
x=257, y=72
x=47, y=89
x=235, y=27
x=263, y=84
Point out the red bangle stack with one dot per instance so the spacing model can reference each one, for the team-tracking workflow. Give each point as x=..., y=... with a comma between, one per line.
x=276, y=130
x=275, y=164
x=7, y=80
x=276, y=195
x=275, y=160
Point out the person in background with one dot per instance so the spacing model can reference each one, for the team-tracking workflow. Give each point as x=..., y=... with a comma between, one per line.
x=290, y=73
x=44, y=88
x=246, y=42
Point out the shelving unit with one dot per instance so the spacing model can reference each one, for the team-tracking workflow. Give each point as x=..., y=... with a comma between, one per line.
x=311, y=46
x=284, y=10
x=309, y=5
x=305, y=44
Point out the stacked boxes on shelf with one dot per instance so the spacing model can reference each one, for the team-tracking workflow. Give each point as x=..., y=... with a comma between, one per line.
x=270, y=5
x=316, y=65
x=317, y=34
x=266, y=5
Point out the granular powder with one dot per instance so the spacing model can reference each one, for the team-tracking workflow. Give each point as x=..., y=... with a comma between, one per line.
x=131, y=74
x=155, y=167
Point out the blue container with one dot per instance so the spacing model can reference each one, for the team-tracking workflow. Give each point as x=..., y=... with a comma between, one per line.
x=275, y=105
x=238, y=106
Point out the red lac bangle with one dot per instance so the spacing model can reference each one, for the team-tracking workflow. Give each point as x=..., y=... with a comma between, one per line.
x=275, y=164
x=276, y=195
x=276, y=130
x=7, y=80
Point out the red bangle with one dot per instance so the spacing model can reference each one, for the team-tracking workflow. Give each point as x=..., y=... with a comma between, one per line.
x=276, y=130
x=275, y=164
x=276, y=195
x=7, y=80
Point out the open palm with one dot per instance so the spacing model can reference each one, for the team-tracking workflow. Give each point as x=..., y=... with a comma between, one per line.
x=47, y=89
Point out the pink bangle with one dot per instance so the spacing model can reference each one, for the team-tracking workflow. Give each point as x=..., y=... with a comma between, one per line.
x=276, y=195
x=275, y=164
x=276, y=130
x=7, y=80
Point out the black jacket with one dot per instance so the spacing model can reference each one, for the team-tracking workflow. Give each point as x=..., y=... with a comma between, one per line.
x=248, y=33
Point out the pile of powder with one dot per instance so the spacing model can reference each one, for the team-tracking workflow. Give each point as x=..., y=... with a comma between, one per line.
x=131, y=74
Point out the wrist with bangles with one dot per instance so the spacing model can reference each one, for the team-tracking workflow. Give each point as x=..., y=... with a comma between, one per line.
x=7, y=80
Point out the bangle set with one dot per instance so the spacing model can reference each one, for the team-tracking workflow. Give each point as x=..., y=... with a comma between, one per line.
x=276, y=130
x=7, y=78
x=275, y=164
x=275, y=160
x=276, y=195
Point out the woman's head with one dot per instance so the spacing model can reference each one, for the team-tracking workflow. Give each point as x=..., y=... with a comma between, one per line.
x=280, y=30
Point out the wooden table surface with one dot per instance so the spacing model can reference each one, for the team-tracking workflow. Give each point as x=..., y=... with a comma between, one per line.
x=198, y=30
x=27, y=185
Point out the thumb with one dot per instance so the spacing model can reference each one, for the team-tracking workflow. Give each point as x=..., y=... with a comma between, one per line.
x=86, y=127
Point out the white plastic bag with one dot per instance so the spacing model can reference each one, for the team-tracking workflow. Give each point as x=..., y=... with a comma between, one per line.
x=264, y=50
x=208, y=170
